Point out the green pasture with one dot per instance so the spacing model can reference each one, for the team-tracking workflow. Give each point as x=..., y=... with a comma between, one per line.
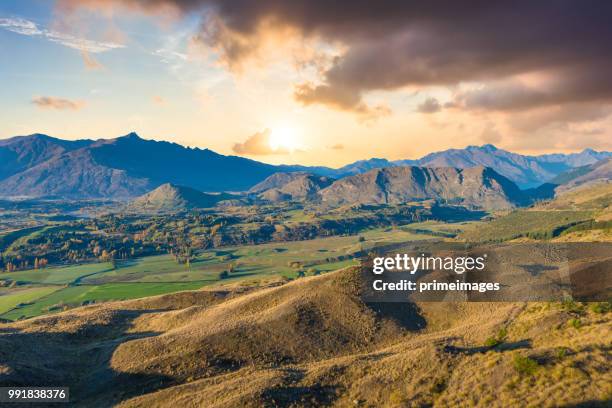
x=81, y=284
x=13, y=298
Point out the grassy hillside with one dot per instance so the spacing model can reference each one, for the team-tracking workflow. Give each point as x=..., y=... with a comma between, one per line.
x=596, y=197
x=313, y=342
x=536, y=224
x=583, y=214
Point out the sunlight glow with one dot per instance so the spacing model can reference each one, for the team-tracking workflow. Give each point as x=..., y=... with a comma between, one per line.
x=284, y=137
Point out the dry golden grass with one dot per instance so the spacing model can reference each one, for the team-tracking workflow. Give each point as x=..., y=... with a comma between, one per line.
x=311, y=342
x=591, y=197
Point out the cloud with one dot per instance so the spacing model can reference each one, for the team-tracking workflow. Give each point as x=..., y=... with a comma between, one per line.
x=429, y=105
x=29, y=28
x=562, y=117
x=340, y=99
x=337, y=147
x=399, y=45
x=50, y=102
x=258, y=144
x=89, y=61
x=20, y=26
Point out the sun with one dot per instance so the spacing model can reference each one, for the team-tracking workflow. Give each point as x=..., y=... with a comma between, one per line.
x=284, y=136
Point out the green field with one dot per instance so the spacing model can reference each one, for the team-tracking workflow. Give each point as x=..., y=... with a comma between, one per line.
x=53, y=289
x=438, y=228
x=78, y=295
x=11, y=299
x=61, y=275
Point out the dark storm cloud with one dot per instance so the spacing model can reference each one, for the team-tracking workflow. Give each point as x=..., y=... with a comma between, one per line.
x=579, y=84
x=393, y=44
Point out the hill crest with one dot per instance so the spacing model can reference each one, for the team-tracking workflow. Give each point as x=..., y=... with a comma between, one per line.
x=172, y=198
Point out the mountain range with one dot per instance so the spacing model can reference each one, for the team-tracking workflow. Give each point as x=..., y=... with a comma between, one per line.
x=129, y=166
x=125, y=167
x=525, y=171
x=474, y=187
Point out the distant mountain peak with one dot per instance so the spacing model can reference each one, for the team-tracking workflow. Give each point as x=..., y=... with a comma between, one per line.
x=489, y=147
x=485, y=148
x=40, y=136
x=131, y=135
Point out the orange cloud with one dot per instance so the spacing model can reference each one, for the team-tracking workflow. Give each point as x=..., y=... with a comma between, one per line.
x=50, y=102
x=89, y=61
x=343, y=99
x=258, y=144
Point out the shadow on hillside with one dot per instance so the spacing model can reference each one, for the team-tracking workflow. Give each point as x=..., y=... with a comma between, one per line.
x=521, y=344
x=590, y=404
x=288, y=395
x=457, y=214
x=313, y=396
x=544, y=192
x=405, y=314
x=536, y=270
x=79, y=360
x=4, y=330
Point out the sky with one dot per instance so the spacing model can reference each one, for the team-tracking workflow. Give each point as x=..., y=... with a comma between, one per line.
x=310, y=81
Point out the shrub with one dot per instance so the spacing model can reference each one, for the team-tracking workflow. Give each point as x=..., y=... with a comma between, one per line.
x=224, y=275
x=571, y=306
x=497, y=340
x=524, y=365
x=438, y=386
x=301, y=273
x=561, y=353
x=575, y=323
x=600, y=307
x=492, y=342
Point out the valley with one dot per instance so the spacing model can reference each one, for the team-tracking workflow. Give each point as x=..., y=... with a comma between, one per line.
x=55, y=289
x=58, y=254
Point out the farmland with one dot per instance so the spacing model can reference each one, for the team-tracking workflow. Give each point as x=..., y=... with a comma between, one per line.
x=58, y=288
